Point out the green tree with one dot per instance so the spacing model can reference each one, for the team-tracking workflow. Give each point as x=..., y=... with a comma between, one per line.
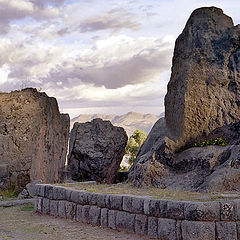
x=134, y=143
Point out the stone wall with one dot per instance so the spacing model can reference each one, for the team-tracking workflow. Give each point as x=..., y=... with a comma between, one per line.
x=156, y=218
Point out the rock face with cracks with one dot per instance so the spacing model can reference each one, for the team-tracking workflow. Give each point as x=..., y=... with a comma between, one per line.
x=202, y=103
x=96, y=150
x=33, y=137
x=204, y=89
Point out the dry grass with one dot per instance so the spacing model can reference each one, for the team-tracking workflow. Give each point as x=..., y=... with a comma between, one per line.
x=156, y=193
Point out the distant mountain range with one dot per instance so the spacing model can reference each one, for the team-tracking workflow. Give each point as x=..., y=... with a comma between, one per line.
x=129, y=121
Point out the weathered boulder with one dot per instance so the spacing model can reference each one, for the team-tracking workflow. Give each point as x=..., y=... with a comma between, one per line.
x=202, y=103
x=96, y=150
x=211, y=168
x=204, y=89
x=33, y=137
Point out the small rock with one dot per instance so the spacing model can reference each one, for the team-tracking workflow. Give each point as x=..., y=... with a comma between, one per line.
x=23, y=195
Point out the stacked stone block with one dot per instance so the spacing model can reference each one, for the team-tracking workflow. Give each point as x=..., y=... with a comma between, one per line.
x=156, y=218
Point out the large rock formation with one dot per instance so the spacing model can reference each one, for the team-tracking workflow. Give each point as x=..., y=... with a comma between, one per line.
x=96, y=150
x=33, y=137
x=204, y=89
x=202, y=103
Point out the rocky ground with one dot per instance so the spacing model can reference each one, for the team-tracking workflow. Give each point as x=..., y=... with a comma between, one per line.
x=21, y=223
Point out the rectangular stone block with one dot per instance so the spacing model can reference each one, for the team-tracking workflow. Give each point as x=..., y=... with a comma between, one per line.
x=156, y=207
x=167, y=229
x=83, y=198
x=45, y=206
x=112, y=219
x=116, y=202
x=85, y=214
x=59, y=193
x=92, y=198
x=236, y=208
x=74, y=196
x=62, y=209
x=133, y=204
x=202, y=211
x=175, y=210
x=48, y=191
x=37, y=189
x=227, y=210
x=125, y=221
x=141, y=224
x=226, y=231
x=95, y=215
x=104, y=217
x=79, y=216
x=152, y=227
x=68, y=194
x=70, y=210
x=194, y=230
x=54, y=208
x=40, y=190
x=38, y=205
x=98, y=199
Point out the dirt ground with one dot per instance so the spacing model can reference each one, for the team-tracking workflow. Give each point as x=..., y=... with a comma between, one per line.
x=21, y=223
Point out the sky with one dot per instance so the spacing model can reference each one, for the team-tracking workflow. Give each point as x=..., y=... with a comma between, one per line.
x=95, y=56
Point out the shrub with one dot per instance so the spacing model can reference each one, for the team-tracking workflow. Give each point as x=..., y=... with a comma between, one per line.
x=218, y=141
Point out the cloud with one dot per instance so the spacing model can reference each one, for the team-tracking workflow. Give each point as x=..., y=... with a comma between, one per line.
x=13, y=10
x=114, y=19
x=138, y=61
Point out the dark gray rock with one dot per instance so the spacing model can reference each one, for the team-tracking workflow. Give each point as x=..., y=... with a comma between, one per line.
x=167, y=229
x=62, y=209
x=115, y=202
x=112, y=219
x=45, y=206
x=203, y=92
x=79, y=216
x=70, y=210
x=202, y=103
x=141, y=224
x=226, y=231
x=23, y=194
x=133, y=204
x=85, y=214
x=59, y=193
x=125, y=221
x=104, y=217
x=194, y=230
x=175, y=209
x=54, y=208
x=31, y=187
x=95, y=215
x=95, y=151
x=202, y=211
x=153, y=227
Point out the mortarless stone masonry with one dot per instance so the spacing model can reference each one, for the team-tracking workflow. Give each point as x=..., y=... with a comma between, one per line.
x=156, y=218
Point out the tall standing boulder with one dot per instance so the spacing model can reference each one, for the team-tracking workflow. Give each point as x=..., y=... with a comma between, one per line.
x=204, y=90
x=96, y=150
x=202, y=104
x=33, y=137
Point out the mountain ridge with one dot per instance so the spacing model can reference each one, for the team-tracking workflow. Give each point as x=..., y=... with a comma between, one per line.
x=129, y=121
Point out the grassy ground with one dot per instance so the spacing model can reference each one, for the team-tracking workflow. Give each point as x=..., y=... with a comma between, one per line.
x=21, y=223
x=156, y=193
